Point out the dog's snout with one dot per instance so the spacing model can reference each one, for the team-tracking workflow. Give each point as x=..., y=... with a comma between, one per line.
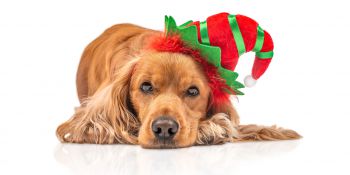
x=164, y=128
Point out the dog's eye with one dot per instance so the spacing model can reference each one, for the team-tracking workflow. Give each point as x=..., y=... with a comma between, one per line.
x=192, y=91
x=146, y=87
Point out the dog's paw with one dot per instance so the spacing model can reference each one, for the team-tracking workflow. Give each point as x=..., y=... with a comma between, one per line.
x=217, y=130
x=85, y=132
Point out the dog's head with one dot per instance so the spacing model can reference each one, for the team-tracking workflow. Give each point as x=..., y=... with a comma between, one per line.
x=170, y=92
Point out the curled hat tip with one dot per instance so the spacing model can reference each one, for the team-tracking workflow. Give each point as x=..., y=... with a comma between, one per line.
x=249, y=81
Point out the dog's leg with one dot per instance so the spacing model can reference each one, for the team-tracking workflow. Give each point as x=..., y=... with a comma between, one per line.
x=88, y=126
x=93, y=124
x=85, y=128
x=216, y=130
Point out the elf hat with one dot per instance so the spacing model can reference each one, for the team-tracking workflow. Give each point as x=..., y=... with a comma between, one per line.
x=221, y=39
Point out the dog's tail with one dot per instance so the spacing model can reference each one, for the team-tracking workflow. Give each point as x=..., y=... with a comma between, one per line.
x=256, y=132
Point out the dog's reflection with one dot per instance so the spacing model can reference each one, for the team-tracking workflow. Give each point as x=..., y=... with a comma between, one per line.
x=128, y=159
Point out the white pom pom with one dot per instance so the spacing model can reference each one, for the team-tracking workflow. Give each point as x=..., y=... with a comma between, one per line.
x=249, y=81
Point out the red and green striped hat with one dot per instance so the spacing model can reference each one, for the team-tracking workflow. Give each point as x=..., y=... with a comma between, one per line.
x=221, y=39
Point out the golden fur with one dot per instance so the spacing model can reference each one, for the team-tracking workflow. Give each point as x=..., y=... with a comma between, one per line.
x=114, y=110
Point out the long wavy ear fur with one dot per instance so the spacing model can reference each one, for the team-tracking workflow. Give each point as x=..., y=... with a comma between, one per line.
x=258, y=133
x=105, y=117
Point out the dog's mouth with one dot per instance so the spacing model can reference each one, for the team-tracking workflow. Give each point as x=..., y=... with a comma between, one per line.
x=161, y=144
x=165, y=144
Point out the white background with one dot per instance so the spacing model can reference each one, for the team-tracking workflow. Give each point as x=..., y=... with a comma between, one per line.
x=306, y=88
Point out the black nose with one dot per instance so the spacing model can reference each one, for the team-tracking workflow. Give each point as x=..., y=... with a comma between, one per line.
x=164, y=128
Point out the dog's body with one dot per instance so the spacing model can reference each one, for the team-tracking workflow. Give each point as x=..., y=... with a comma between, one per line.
x=129, y=92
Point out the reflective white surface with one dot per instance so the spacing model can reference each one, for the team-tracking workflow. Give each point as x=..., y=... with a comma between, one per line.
x=282, y=157
x=287, y=157
x=124, y=159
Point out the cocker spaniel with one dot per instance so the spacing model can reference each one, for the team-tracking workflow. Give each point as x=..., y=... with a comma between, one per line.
x=138, y=86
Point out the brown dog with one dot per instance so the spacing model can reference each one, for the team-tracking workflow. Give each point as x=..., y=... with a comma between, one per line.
x=131, y=93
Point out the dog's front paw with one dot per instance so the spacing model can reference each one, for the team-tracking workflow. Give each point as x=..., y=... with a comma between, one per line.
x=217, y=130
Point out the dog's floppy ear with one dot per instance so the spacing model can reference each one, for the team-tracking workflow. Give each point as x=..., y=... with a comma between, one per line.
x=222, y=105
x=105, y=117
